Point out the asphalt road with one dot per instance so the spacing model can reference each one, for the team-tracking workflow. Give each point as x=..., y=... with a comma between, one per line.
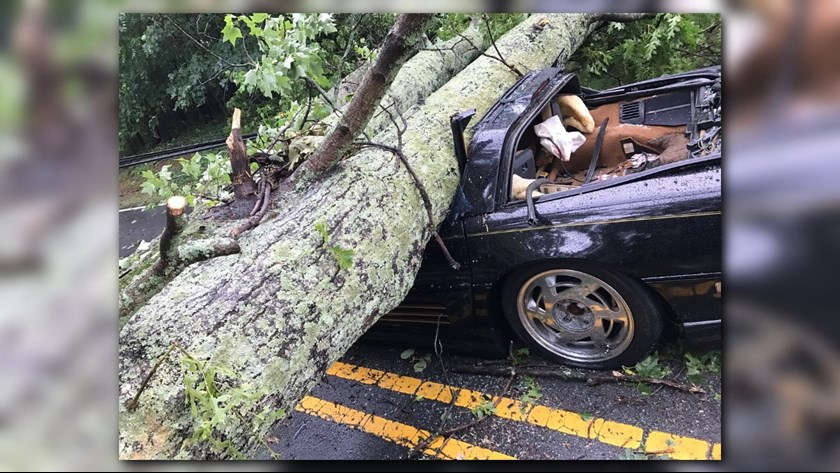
x=373, y=405
x=137, y=225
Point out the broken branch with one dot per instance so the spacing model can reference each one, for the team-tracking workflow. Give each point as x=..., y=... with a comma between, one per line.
x=496, y=48
x=500, y=59
x=449, y=432
x=548, y=371
x=243, y=182
x=174, y=223
x=427, y=204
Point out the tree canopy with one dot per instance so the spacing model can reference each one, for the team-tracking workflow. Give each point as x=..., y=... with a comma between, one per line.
x=668, y=43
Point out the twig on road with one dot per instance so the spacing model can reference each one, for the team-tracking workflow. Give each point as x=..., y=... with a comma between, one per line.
x=449, y=432
x=548, y=371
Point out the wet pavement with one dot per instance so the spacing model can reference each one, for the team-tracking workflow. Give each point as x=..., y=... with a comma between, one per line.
x=579, y=415
x=137, y=224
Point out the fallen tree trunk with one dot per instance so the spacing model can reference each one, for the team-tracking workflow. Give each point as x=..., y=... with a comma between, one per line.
x=257, y=329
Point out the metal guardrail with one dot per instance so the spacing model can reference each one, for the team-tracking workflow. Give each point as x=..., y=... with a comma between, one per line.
x=126, y=161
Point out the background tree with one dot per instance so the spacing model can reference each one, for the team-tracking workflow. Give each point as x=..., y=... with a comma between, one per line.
x=667, y=43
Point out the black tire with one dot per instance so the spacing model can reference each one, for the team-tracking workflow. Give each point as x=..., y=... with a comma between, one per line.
x=645, y=311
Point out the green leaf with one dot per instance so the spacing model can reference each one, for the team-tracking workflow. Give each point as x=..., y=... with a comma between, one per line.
x=322, y=81
x=321, y=227
x=250, y=79
x=259, y=17
x=520, y=355
x=420, y=366
x=343, y=256
x=483, y=409
x=230, y=32
x=210, y=381
x=629, y=454
x=406, y=354
x=255, y=30
x=148, y=188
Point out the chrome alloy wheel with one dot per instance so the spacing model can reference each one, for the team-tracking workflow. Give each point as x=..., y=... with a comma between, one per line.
x=575, y=315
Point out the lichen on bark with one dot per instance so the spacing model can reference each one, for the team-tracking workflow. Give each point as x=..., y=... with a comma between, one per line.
x=282, y=309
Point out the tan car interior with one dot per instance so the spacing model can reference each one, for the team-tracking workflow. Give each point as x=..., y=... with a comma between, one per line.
x=626, y=148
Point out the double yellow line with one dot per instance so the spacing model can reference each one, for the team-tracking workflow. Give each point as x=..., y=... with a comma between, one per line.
x=397, y=432
x=568, y=422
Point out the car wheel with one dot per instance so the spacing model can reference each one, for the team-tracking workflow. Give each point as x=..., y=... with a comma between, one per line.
x=582, y=315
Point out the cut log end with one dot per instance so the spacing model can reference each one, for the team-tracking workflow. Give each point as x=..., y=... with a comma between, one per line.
x=236, y=120
x=175, y=205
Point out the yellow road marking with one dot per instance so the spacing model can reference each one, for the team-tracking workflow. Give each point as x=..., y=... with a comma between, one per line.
x=397, y=432
x=567, y=422
x=676, y=446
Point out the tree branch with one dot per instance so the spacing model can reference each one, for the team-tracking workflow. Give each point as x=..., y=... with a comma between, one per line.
x=512, y=68
x=398, y=45
x=493, y=41
x=549, y=371
x=202, y=46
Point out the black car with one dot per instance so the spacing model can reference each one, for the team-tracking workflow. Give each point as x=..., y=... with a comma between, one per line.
x=590, y=266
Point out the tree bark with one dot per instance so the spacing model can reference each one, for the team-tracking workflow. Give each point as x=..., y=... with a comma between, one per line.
x=283, y=309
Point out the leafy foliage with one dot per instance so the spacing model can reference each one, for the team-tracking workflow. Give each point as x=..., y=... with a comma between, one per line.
x=203, y=58
x=520, y=355
x=343, y=256
x=650, y=367
x=205, y=176
x=172, y=72
x=483, y=409
x=419, y=362
x=288, y=49
x=630, y=454
x=213, y=62
x=696, y=366
x=533, y=391
x=621, y=53
x=219, y=402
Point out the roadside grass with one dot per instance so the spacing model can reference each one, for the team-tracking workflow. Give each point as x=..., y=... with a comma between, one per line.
x=208, y=131
x=131, y=181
